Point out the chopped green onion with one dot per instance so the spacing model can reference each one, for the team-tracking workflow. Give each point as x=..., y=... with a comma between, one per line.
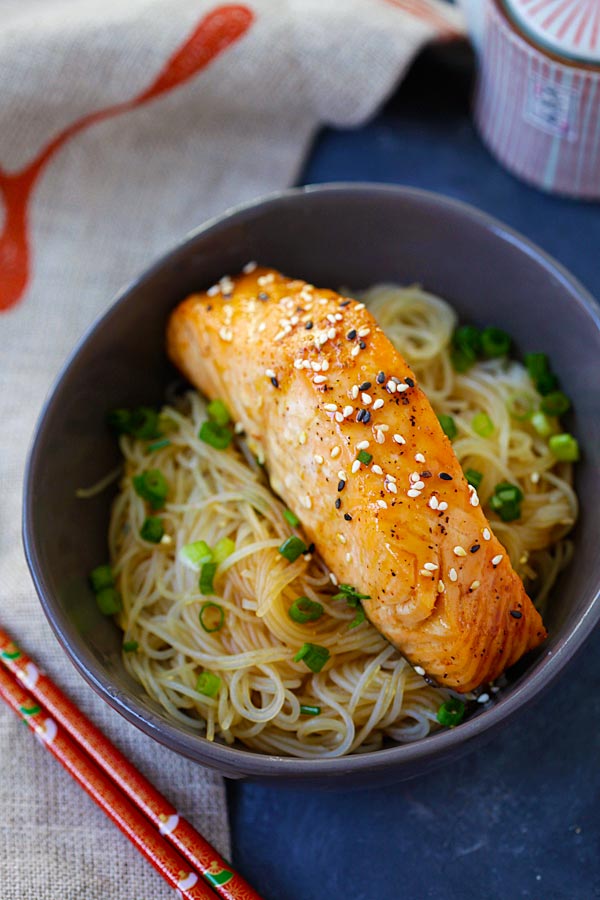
x=217, y=436
x=309, y=710
x=448, y=426
x=218, y=412
x=495, y=342
x=292, y=548
x=506, y=501
x=109, y=601
x=208, y=684
x=555, y=404
x=451, y=712
x=347, y=592
x=158, y=445
x=119, y=420
x=291, y=518
x=305, y=610
x=212, y=616
x=130, y=646
x=520, y=407
x=468, y=339
x=101, y=577
x=547, y=383
x=207, y=577
x=474, y=477
x=223, y=549
x=542, y=424
x=508, y=493
x=194, y=554
x=360, y=616
x=152, y=530
x=364, y=457
x=461, y=361
x=564, y=447
x=482, y=425
x=152, y=486
x=313, y=655
x=537, y=364
x=141, y=422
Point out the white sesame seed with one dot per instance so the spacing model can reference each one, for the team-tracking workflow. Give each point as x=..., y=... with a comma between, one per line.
x=378, y=403
x=419, y=670
x=474, y=585
x=330, y=407
x=333, y=579
x=348, y=557
x=486, y=534
x=354, y=391
x=391, y=478
x=166, y=539
x=377, y=470
x=339, y=417
x=280, y=335
x=418, y=485
x=331, y=318
x=460, y=551
x=362, y=445
x=226, y=334
x=364, y=332
x=359, y=306
x=391, y=386
x=399, y=439
x=214, y=290
x=262, y=327
x=355, y=466
x=342, y=475
x=483, y=698
x=331, y=333
x=535, y=477
x=238, y=428
x=355, y=351
x=379, y=436
x=319, y=459
x=338, y=317
x=443, y=506
x=419, y=457
x=341, y=538
x=413, y=493
x=319, y=379
x=431, y=566
x=433, y=502
x=401, y=387
x=266, y=279
x=497, y=559
x=383, y=427
x=414, y=476
x=366, y=399
x=335, y=451
x=307, y=502
x=453, y=575
x=324, y=365
x=441, y=586
x=249, y=267
x=305, y=364
x=270, y=373
x=382, y=504
x=302, y=437
x=473, y=499
x=294, y=320
x=391, y=487
x=315, y=366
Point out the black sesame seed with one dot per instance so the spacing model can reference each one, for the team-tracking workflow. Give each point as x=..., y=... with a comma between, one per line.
x=345, y=302
x=474, y=548
x=274, y=382
x=380, y=378
x=426, y=474
x=365, y=386
x=311, y=548
x=351, y=334
x=409, y=382
x=308, y=326
x=347, y=517
x=209, y=307
x=341, y=485
x=362, y=345
x=338, y=503
x=263, y=296
x=516, y=614
x=361, y=414
x=367, y=417
x=445, y=477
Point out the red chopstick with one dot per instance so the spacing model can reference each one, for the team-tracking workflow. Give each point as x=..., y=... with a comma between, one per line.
x=81, y=737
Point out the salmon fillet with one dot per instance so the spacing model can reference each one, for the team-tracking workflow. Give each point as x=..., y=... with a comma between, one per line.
x=313, y=380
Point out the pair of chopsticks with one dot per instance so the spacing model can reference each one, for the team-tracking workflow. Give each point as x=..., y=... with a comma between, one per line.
x=183, y=857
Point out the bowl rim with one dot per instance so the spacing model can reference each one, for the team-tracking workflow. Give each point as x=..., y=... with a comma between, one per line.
x=241, y=761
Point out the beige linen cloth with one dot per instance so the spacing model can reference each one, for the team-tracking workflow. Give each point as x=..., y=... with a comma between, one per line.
x=122, y=126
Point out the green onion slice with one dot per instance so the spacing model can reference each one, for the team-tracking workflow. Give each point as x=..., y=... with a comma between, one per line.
x=212, y=616
x=448, y=426
x=303, y=609
x=306, y=710
x=218, y=412
x=152, y=530
x=482, y=425
x=508, y=493
x=152, y=486
x=364, y=457
x=359, y=618
x=547, y=383
x=109, y=601
x=101, y=577
x=564, y=447
x=217, y=436
x=313, y=655
x=208, y=684
x=520, y=407
x=537, y=364
x=555, y=404
x=349, y=593
x=130, y=646
x=206, y=581
x=195, y=554
x=495, y=342
x=159, y=445
x=223, y=549
x=461, y=361
x=291, y=518
x=451, y=712
x=292, y=548
x=542, y=424
x=474, y=477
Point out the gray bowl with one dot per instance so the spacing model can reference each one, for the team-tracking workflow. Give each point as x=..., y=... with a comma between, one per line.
x=331, y=235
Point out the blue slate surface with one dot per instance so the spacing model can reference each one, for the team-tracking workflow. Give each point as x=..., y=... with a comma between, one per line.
x=521, y=817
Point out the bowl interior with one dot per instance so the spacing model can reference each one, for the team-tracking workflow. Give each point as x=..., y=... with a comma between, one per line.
x=330, y=236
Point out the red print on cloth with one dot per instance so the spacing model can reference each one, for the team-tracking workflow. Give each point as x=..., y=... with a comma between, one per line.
x=214, y=33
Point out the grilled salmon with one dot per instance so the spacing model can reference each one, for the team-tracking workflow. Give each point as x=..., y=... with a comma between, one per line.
x=352, y=445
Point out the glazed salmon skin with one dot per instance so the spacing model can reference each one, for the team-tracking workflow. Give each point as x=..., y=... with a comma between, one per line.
x=314, y=381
